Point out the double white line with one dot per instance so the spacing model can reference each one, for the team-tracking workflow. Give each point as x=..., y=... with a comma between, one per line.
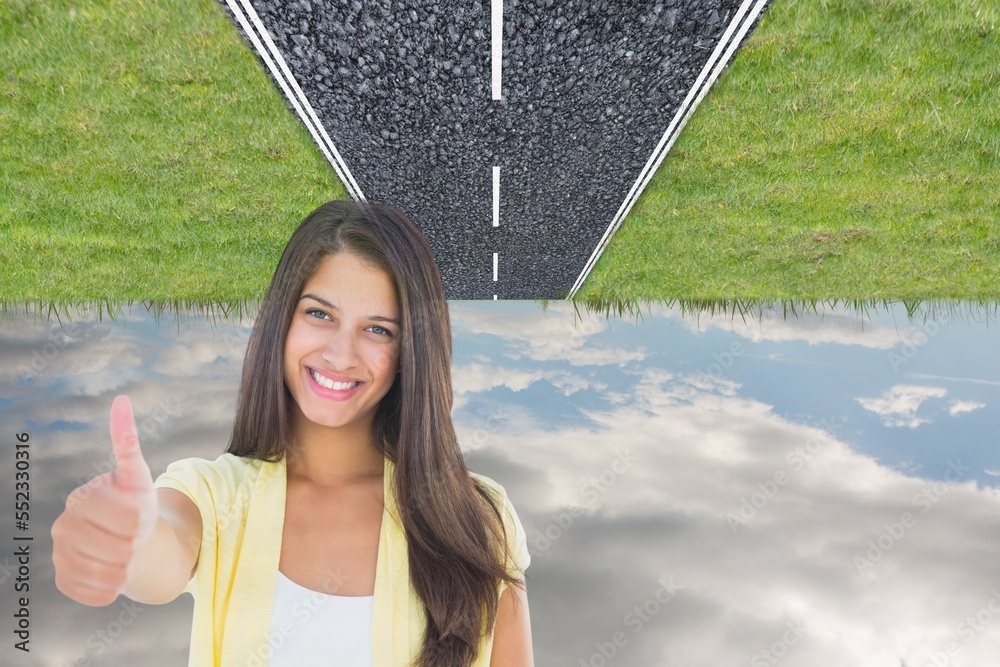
x=254, y=29
x=721, y=55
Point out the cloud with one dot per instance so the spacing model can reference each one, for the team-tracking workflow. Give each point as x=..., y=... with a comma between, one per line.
x=187, y=353
x=771, y=323
x=961, y=407
x=559, y=333
x=898, y=406
x=475, y=378
x=925, y=376
x=645, y=493
x=672, y=476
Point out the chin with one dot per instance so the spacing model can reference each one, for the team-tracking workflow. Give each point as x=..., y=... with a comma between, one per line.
x=337, y=417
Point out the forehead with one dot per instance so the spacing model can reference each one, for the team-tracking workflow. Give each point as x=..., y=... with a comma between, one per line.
x=346, y=281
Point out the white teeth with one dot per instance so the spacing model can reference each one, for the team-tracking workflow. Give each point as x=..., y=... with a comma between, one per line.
x=330, y=384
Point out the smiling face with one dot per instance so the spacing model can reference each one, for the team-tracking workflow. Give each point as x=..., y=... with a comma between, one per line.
x=342, y=347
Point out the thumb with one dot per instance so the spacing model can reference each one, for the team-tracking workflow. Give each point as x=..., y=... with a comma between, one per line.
x=131, y=472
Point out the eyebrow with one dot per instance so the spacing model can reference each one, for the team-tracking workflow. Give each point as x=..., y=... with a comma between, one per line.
x=374, y=318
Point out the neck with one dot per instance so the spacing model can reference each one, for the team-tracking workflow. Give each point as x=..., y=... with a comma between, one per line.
x=333, y=456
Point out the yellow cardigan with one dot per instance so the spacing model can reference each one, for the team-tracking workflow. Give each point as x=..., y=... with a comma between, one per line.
x=242, y=505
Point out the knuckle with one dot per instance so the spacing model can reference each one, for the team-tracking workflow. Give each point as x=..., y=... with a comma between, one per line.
x=60, y=559
x=105, y=576
x=61, y=584
x=116, y=578
x=129, y=518
x=124, y=553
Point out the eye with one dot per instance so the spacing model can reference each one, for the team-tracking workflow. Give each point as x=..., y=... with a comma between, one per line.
x=316, y=312
x=382, y=331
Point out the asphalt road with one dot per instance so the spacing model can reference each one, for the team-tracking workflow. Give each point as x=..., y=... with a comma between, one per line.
x=518, y=169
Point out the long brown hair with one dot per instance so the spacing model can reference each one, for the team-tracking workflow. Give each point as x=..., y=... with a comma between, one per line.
x=455, y=535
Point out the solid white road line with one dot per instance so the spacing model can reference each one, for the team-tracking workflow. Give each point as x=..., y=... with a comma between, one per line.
x=246, y=15
x=496, y=196
x=722, y=54
x=496, y=25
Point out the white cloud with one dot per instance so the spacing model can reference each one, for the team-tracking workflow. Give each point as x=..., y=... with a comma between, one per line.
x=925, y=376
x=557, y=334
x=571, y=383
x=961, y=407
x=474, y=378
x=898, y=406
x=191, y=352
x=656, y=472
x=655, y=482
x=771, y=323
x=477, y=378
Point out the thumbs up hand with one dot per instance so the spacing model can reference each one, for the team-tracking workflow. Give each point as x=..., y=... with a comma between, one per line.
x=106, y=519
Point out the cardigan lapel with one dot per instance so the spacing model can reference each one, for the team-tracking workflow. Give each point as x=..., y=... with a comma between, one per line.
x=256, y=571
x=397, y=615
x=399, y=618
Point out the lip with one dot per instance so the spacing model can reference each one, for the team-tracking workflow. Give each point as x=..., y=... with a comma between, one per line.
x=332, y=394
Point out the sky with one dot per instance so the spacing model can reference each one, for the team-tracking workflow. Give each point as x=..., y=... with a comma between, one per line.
x=816, y=489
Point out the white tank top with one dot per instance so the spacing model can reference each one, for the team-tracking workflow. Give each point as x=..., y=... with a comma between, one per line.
x=309, y=628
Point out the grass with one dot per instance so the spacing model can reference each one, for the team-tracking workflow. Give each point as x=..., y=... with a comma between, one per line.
x=158, y=162
x=852, y=150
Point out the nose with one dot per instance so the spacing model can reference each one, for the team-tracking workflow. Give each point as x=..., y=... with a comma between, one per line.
x=341, y=350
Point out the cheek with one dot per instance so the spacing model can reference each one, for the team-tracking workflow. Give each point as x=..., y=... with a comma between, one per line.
x=294, y=349
x=384, y=361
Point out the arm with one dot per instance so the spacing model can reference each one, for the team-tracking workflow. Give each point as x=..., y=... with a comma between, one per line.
x=162, y=566
x=118, y=533
x=512, y=632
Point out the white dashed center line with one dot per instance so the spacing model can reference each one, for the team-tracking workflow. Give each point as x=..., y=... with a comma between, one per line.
x=496, y=25
x=496, y=55
x=496, y=196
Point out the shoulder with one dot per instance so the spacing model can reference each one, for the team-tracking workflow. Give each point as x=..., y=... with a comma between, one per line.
x=496, y=491
x=493, y=486
x=227, y=466
x=516, y=537
x=222, y=481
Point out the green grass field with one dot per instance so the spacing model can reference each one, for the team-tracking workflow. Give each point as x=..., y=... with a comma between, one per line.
x=850, y=151
x=158, y=164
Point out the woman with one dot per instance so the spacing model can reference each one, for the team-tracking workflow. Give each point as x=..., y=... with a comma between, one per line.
x=343, y=478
